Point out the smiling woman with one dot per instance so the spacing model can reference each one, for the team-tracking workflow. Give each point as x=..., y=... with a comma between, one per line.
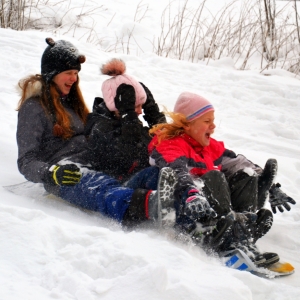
x=65, y=80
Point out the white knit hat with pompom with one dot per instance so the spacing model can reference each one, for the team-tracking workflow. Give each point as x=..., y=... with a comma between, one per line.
x=116, y=68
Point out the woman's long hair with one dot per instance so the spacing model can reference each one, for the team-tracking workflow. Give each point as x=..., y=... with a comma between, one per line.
x=166, y=131
x=50, y=100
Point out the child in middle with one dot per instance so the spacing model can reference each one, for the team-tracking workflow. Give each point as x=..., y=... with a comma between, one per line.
x=118, y=141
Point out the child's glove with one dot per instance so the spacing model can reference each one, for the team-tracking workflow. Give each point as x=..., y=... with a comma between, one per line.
x=63, y=175
x=196, y=205
x=151, y=110
x=278, y=199
x=125, y=102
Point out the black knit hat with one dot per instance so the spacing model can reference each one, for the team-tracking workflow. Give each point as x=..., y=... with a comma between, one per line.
x=58, y=57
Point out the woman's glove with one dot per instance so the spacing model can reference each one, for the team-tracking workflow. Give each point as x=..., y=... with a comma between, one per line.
x=151, y=110
x=197, y=206
x=63, y=175
x=278, y=199
x=125, y=102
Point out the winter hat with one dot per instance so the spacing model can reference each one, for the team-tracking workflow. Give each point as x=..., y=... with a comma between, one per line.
x=116, y=68
x=58, y=57
x=192, y=105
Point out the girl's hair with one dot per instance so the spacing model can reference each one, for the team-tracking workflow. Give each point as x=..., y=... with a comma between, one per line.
x=50, y=101
x=165, y=131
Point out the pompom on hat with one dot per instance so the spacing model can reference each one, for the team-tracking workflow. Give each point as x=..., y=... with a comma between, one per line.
x=58, y=57
x=192, y=106
x=116, y=68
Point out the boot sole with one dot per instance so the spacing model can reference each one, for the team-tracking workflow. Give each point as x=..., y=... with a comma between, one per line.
x=166, y=186
x=271, y=169
x=269, y=174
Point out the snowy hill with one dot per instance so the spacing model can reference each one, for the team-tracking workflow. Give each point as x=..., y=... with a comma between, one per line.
x=52, y=250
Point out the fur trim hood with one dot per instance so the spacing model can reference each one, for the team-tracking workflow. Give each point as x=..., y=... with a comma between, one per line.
x=34, y=89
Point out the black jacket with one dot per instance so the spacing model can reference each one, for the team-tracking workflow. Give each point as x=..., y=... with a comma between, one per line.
x=115, y=148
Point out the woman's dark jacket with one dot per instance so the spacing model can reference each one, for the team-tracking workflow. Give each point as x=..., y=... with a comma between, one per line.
x=38, y=148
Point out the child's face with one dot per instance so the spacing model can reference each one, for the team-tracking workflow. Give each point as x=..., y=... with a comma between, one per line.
x=138, y=109
x=202, y=128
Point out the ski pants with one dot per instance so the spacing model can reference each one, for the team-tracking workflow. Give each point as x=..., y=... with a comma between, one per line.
x=99, y=192
x=239, y=192
x=222, y=197
x=144, y=179
x=244, y=192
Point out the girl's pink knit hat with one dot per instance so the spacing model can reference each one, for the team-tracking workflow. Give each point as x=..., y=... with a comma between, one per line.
x=116, y=68
x=192, y=105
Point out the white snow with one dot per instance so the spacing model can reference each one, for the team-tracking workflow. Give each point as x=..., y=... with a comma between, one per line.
x=52, y=250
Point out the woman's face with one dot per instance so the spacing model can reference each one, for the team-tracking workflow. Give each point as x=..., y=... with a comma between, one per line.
x=202, y=128
x=65, y=80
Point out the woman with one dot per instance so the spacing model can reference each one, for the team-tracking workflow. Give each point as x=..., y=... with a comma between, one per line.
x=118, y=141
x=213, y=180
x=52, y=145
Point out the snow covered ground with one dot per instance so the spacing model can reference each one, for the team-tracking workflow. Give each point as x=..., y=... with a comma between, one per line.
x=52, y=250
